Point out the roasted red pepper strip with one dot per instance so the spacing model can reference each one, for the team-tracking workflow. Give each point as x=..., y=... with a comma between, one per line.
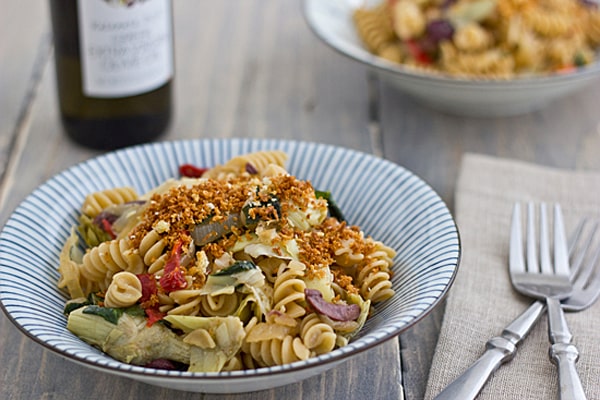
x=153, y=316
x=149, y=299
x=191, y=171
x=149, y=288
x=107, y=227
x=173, y=277
x=417, y=52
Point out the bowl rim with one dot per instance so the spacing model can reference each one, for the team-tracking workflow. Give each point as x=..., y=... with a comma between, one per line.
x=337, y=355
x=363, y=56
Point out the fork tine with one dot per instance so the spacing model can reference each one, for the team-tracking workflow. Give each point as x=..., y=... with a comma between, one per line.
x=577, y=255
x=545, y=263
x=552, y=287
x=532, y=262
x=516, y=261
x=561, y=252
x=583, y=276
x=591, y=283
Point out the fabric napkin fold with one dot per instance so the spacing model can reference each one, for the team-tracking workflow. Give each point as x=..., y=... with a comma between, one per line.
x=482, y=301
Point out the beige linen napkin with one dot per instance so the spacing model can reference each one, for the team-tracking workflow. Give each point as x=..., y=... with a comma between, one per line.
x=482, y=300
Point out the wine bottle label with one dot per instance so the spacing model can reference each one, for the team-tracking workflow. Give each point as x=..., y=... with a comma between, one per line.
x=125, y=45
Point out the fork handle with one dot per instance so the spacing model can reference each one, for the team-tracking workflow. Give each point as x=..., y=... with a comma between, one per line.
x=499, y=350
x=563, y=353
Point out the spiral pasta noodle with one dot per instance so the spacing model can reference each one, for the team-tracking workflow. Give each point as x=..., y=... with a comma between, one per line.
x=408, y=20
x=271, y=352
x=374, y=27
x=374, y=277
x=95, y=202
x=185, y=302
x=220, y=305
x=103, y=261
x=550, y=24
x=492, y=62
x=152, y=250
x=255, y=162
x=289, y=290
x=345, y=256
x=124, y=290
x=235, y=364
x=317, y=336
x=472, y=38
x=593, y=33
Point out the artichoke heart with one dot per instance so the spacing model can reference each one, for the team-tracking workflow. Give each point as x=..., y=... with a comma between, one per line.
x=215, y=340
x=130, y=340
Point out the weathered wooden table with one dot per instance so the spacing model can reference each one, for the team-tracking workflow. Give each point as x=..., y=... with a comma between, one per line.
x=253, y=69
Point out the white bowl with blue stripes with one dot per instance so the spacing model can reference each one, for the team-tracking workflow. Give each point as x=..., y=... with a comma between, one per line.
x=388, y=202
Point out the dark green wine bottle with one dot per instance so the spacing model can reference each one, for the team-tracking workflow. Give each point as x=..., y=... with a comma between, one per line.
x=114, y=69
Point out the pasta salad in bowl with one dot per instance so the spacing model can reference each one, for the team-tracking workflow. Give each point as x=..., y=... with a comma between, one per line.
x=246, y=262
x=468, y=57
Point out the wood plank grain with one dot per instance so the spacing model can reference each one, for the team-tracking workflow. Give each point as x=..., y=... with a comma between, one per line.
x=431, y=143
x=24, y=46
x=255, y=70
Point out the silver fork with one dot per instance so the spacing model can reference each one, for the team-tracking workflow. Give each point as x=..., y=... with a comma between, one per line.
x=549, y=280
x=501, y=349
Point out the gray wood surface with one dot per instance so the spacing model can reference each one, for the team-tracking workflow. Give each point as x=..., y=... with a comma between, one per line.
x=253, y=69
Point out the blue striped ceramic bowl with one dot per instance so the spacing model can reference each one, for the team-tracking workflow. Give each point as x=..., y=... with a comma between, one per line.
x=388, y=202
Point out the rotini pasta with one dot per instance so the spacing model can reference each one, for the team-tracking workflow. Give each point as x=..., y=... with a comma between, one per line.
x=152, y=250
x=374, y=275
x=271, y=343
x=375, y=27
x=289, y=290
x=100, y=263
x=496, y=39
x=593, y=22
x=96, y=202
x=317, y=336
x=220, y=305
x=185, y=302
x=234, y=364
x=270, y=352
x=255, y=163
x=125, y=290
x=247, y=267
